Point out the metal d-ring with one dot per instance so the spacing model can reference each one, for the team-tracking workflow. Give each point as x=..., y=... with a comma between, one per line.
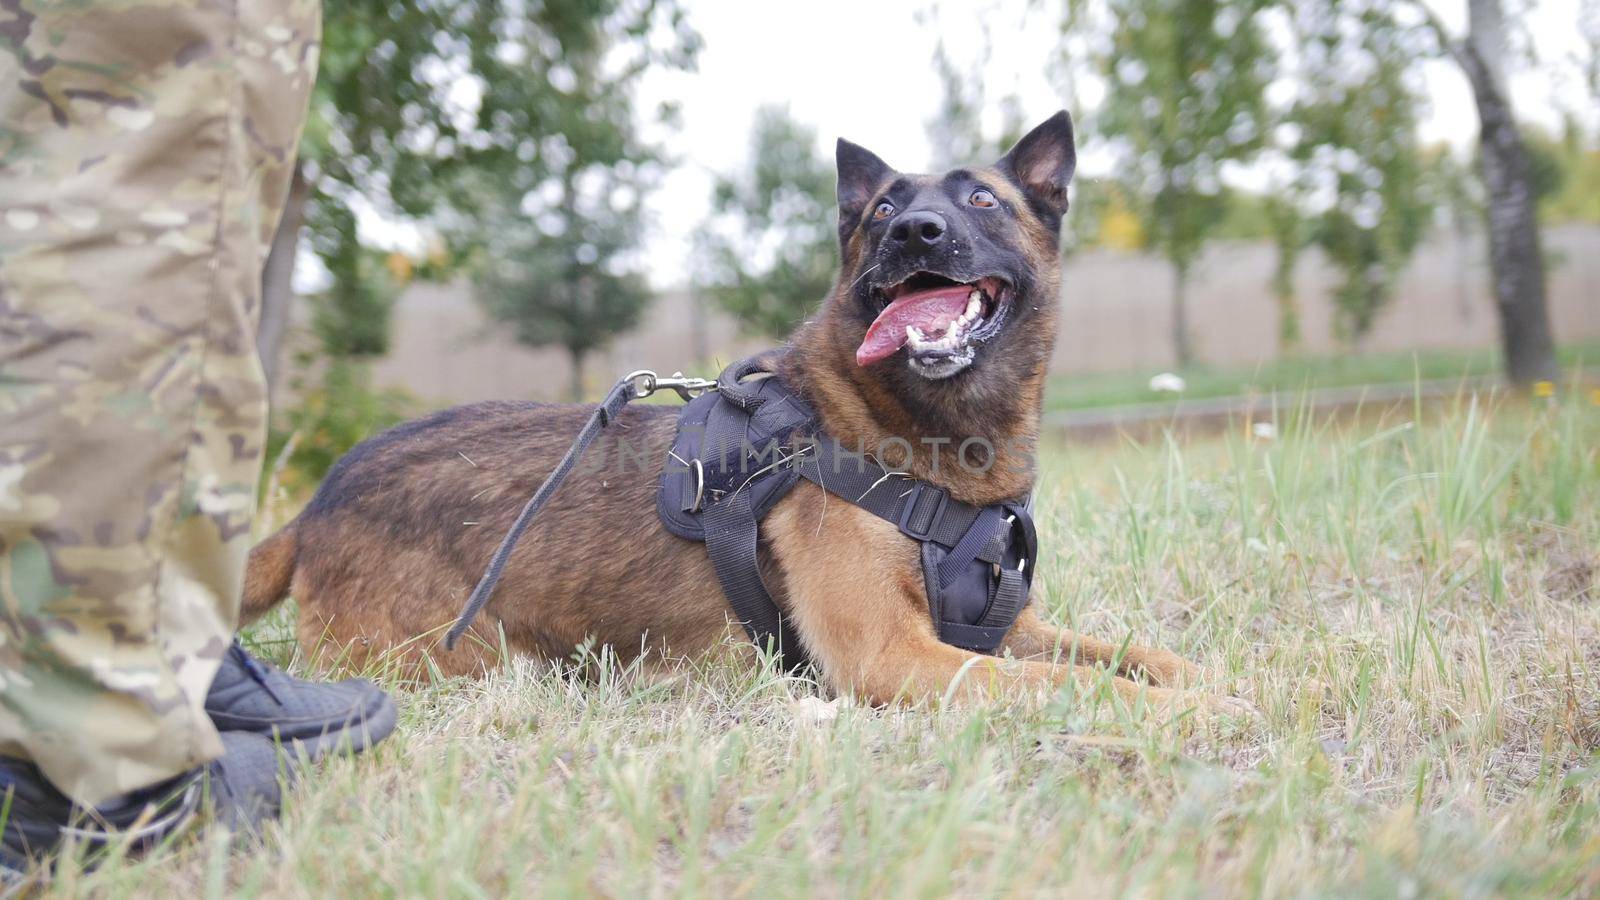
x=699, y=484
x=1022, y=562
x=644, y=382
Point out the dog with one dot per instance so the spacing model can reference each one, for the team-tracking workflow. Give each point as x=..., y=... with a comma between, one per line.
x=400, y=530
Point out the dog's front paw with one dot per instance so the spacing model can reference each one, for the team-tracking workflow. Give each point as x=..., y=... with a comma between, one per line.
x=1234, y=707
x=1174, y=703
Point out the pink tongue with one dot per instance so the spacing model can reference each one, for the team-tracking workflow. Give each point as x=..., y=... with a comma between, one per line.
x=931, y=311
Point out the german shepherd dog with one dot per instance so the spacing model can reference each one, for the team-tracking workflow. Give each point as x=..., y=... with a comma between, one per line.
x=382, y=558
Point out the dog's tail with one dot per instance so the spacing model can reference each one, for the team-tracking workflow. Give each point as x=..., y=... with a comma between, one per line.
x=268, y=574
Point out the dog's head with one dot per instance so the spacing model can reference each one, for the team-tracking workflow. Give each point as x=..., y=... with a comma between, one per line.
x=949, y=281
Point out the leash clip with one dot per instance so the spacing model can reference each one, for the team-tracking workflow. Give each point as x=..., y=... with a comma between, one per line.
x=646, y=382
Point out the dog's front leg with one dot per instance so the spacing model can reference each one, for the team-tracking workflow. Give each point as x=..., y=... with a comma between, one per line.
x=915, y=667
x=853, y=585
x=1032, y=638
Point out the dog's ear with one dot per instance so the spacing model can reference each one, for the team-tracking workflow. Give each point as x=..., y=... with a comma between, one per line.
x=861, y=172
x=1042, y=164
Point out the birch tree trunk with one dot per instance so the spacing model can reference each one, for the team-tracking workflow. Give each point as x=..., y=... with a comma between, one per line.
x=1516, y=258
x=1182, y=349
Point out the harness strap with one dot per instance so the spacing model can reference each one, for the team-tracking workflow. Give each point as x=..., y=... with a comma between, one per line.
x=929, y=514
x=732, y=541
x=971, y=544
x=604, y=415
x=1009, y=598
x=923, y=511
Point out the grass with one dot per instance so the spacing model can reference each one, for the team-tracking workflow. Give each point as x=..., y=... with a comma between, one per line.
x=1410, y=601
x=1068, y=392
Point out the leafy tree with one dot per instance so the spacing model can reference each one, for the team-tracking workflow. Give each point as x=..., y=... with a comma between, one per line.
x=564, y=277
x=351, y=317
x=1247, y=216
x=1566, y=174
x=1185, y=95
x=1100, y=217
x=955, y=131
x=770, y=247
x=1356, y=120
x=337, y=405
x=1288, y=228
x=560, y=263
x=421, y=109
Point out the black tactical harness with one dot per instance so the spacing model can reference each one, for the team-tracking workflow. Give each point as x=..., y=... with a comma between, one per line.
x=740, y=448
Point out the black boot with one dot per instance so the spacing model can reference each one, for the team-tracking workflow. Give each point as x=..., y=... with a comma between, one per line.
x=241, y=790
x=317, y=718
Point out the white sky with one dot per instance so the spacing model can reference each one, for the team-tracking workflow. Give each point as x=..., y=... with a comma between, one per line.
x=862, y=69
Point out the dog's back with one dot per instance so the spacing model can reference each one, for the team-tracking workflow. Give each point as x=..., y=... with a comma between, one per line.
x=398, y=534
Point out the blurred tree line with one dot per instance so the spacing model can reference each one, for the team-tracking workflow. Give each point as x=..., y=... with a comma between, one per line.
x=504, y=131
x=1323, y=96
x=506, y=137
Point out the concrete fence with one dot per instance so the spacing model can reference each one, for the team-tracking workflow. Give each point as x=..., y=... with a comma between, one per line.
x=1115, y=316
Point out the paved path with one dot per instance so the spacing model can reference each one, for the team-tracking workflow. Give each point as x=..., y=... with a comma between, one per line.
x=1216, y=413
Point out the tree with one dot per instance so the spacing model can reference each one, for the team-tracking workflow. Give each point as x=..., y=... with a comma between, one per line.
x=422, y=109
x=337, y=405
x=955, y=131
x=556, y=235
x=1185, y=93
x=1566, y=173
x=1288, y=229
x=350, y=317
x=1355, y=121
x=770, y=247
x=1516, y=257
x=563, y=277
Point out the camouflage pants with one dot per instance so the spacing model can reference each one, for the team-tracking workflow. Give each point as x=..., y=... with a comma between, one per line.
x=145, y=153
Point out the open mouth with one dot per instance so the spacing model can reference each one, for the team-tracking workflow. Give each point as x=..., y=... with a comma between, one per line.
x=938, y=320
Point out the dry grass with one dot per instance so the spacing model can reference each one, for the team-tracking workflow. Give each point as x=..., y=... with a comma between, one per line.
x=1413, y=608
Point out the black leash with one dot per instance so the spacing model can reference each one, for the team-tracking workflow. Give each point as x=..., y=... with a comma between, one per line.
x=634, y=386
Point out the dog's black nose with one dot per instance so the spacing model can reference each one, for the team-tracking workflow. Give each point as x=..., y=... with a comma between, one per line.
x=916, y=228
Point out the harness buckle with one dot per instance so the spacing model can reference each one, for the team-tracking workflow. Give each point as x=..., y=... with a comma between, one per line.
x=921, y=526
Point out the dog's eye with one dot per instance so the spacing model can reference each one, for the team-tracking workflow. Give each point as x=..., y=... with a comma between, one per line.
x=982, y=198
x=884, y=211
